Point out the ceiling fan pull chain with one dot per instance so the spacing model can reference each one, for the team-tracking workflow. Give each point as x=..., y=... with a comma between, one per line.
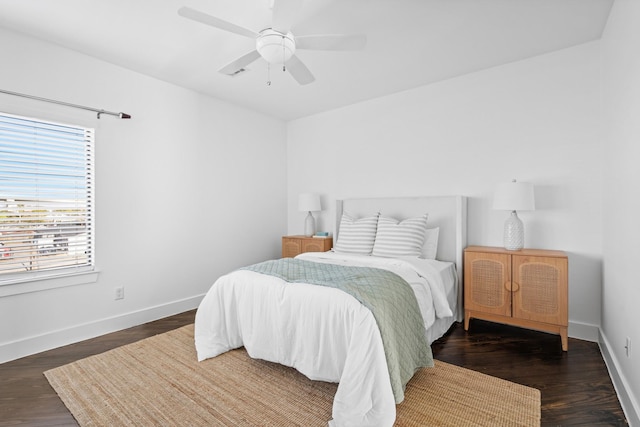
x=268, y=74
x=284, y=56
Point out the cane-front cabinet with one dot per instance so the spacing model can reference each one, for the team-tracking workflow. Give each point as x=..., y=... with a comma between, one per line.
x=295, y=245
x=526, y=288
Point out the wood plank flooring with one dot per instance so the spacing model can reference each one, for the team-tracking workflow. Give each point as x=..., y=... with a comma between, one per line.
x=575, y=386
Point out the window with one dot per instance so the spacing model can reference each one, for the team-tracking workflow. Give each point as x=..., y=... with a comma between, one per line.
x=46, y=199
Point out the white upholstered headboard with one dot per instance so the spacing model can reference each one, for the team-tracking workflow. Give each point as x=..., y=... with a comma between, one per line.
x=447, y=212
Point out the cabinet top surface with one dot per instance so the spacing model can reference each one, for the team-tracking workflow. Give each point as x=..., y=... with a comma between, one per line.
x=306, y=237
x=524, y=252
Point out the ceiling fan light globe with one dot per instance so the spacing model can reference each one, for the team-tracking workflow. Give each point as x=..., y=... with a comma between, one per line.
x=275, y=47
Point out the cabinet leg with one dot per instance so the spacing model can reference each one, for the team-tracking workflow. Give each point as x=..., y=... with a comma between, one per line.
x=565, y=339
x=466, y=320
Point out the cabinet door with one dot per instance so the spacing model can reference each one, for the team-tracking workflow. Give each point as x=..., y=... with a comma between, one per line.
x=487, y=283
x=540, y=289
x=291, y=247
x=313, y=245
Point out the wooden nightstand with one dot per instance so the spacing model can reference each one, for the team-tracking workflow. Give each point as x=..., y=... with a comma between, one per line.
x=526, y=288
x=295, y=245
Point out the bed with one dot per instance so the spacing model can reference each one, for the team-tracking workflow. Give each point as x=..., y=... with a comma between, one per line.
x=309, y=321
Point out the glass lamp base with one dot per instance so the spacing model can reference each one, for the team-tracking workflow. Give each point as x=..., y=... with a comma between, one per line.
x=309, y=225
x=513, y=233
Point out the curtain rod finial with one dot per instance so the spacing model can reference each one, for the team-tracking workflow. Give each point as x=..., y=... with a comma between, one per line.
x=124, y=116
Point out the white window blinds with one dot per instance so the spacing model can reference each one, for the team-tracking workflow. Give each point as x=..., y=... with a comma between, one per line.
x=46, y=198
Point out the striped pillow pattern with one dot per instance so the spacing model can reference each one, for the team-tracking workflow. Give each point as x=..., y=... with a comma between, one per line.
x=356, y=235
x=400, y=238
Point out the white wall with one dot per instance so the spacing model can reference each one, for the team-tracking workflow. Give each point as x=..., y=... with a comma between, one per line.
x=621, y=113
x=188, y=189
x=535, y=120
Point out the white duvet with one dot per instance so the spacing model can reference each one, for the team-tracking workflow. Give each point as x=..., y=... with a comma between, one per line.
x=323, y=332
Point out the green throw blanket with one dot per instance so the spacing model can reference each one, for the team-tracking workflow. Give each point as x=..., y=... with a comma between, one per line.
x=388, y=296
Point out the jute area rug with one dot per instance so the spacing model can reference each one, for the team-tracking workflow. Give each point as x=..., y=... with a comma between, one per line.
x=158, y=382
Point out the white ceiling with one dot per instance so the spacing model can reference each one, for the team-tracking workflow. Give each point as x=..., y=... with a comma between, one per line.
x=410, y=42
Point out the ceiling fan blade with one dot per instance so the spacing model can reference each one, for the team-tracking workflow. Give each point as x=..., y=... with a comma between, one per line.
x=285, y=13
x=235, y=66
x=299, y=71
x=332, y=42
x=195, y=15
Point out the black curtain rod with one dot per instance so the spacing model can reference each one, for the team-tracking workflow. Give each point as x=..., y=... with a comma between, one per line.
x=37, y=98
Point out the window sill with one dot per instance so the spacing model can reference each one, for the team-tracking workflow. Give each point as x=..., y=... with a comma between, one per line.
x=38, y=284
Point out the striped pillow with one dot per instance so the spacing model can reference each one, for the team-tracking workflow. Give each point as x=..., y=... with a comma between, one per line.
x=356, y=236
x=395, y=238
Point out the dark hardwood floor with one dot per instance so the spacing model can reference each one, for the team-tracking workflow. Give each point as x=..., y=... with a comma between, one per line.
x=27, y=399
x=575, y=386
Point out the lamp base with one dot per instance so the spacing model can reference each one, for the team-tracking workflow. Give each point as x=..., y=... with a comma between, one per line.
x=513, y=233
x=309, y=225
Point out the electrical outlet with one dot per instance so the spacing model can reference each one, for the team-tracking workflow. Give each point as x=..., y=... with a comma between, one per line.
x=627, y=347
x=119, y=294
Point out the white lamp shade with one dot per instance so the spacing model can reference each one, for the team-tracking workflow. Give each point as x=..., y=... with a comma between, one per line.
x=514, y=196
x=309, y=202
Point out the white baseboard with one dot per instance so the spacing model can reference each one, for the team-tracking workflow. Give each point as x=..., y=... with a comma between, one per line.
x=32, y=345
x=627, y=400
x=584, y=331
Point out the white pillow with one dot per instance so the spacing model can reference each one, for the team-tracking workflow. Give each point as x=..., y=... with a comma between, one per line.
x=356, y=236
x=400, y=238
x=430, y=247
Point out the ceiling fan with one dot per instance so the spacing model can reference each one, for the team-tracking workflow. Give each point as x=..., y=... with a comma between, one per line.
x=277, y=45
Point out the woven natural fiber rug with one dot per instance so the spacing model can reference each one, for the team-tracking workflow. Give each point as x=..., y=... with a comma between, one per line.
x=158, y=382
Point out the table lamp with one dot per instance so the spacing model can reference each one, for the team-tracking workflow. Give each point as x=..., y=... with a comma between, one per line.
x=514, y=196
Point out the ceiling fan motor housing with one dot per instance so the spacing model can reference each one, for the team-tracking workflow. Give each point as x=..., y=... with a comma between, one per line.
x=275, y=47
